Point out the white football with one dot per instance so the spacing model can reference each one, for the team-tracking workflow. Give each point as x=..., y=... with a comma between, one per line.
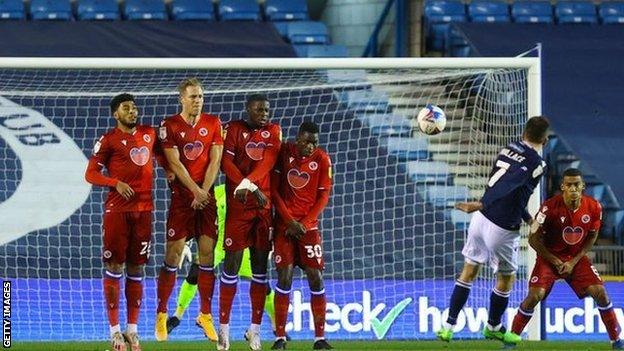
x=431, y=120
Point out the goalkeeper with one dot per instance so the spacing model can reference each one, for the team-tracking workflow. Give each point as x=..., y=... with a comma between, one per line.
x=189, y=287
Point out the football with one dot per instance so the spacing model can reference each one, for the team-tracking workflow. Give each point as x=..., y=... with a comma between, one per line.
x=431, y=120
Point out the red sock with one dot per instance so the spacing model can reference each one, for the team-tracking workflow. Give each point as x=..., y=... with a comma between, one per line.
x=281, y=301
x=111, y=296
x=205, y=283
x=520, y=320
x=610, y=321
x=227, y=291
x=134, y=296
x=257, y=295
x=166, y=282
x=319, y=305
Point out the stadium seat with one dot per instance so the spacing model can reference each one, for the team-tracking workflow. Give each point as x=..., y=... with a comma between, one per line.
x=239, y=10
x=576, y=12
x=429, y=172
x=438, y=15
x=321, y=50
x=307, y=32
x=98, y=10
x=532, y=11
x=53, y=10
x=12, y=10
x=612, y=12
x=446, y=195
x=286, y=10
x=388, y=125
x=488, y=11
x=365, y=100
x=407, y=149
x=192, y=10
x=282, y=29
x=145, y=10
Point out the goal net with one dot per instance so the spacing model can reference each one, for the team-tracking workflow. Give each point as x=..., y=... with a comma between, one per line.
x=392, y=240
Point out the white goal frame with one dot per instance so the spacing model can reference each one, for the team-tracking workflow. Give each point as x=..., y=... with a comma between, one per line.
x=531, y=64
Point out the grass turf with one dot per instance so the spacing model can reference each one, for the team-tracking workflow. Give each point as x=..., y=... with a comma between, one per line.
x=338, y=345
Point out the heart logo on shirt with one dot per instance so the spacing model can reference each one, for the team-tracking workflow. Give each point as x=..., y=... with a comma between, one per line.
x=255, y=151
x=298, y=179
x=139, y=156
x=193, y=150
x=572, y=235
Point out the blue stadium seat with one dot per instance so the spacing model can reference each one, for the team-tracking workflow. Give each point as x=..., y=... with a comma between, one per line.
x=282, y=29
x=366, y=100
x=192, y=10
x=446, y=195
x=532, y=11
x=612, y=12
x=488, y=11
x=286, y=10
x=429, y=172
x=307, y=32
x=12, y=10
x=98, y=10
x=145, y=10
x=54, y=10
x=576, y=12
x=438, y=15
x=407, y=149
x=239, y=10
x=321, y=50
x=387, y=125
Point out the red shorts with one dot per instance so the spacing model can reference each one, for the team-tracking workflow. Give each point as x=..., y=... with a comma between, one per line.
x=583, y=276
x=305, y=252
x=184, y=222
x=248, y=228
x=127, y=237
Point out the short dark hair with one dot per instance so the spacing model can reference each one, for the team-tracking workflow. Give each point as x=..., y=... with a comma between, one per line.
x=118, y=99
x=572, y=172
x=256, y=97
x=309, y=127
x=188, y=82
x=536, y=129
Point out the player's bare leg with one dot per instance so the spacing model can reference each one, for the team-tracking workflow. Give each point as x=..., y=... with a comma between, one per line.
x=134, y=297
x=114, y=272
x=599, y=294
x=460, y=294
x=318, y=305
x=282, y=299
x=499, y=299
x=166, y=282
x=205, y=282
x=257, y=295
x=227, y=291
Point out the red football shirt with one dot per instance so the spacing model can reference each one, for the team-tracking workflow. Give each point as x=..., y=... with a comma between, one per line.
x=565, y=231
x=249, y=153
x=127, y=158
x=301, y=181
x=193, y=142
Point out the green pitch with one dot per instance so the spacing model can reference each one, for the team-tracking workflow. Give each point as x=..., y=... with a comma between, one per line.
x=338, y=345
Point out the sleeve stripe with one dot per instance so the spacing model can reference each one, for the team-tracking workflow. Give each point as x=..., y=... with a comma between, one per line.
x=230, y=152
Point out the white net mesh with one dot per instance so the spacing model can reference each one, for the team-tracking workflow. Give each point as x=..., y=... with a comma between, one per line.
x=390, y=234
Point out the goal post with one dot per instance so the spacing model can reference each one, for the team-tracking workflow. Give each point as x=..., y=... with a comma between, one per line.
x=392, y=241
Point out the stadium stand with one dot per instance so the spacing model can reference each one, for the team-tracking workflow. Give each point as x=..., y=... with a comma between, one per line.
x=192, y=10
x=437, y=16
x=145, y=10
x=12, y=10
x=239, y=10
x=50, y=10
x=286, y=10
x=574, y=11
x=532, y=11
x=488, y=11
x=106, y=10
x=611, y=12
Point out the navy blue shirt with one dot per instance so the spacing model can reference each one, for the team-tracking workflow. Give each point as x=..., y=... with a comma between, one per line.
x=515, y=175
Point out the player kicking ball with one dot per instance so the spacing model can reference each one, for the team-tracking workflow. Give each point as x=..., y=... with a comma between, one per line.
x=566, y=229
x=188, y=289
x=126, y=152
x=301, y=184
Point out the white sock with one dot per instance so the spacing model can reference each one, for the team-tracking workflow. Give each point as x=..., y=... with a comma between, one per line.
x=225, y=328
x=317, y=339
x=132, y=328
x=114, y=329
x=447, y=325
x=495, y=328
x=254, y=328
